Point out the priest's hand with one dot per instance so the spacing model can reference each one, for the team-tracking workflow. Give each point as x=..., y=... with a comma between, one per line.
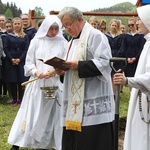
x=59, y=71
x=71, y=64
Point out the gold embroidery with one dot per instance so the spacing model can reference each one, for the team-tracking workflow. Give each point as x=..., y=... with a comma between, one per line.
x=75, y=104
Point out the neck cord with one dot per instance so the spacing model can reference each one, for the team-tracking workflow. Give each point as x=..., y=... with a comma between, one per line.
x=69, y=49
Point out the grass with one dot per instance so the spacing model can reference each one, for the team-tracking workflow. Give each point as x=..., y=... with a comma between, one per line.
x=124, y=101
x=8, y=113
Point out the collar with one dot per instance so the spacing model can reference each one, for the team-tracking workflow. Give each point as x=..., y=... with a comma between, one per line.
x=77, y=36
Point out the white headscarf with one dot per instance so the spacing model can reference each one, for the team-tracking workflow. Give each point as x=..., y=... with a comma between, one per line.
x=47, y=22
x=144, y=15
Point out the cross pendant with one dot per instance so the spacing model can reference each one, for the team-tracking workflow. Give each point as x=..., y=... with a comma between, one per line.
x=75, y=104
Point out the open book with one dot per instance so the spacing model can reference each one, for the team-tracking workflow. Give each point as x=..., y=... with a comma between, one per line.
x=55, y=62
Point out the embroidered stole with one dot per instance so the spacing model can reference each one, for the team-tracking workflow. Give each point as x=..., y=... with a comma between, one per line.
x=76, y=92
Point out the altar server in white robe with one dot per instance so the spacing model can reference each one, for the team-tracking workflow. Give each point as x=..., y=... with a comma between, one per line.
x=37, y=124
x=137, y=134
x=88, y=103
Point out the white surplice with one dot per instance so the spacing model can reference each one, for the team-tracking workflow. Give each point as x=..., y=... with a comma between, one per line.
x=98, y=104
x=42, y=115
x=137, y=134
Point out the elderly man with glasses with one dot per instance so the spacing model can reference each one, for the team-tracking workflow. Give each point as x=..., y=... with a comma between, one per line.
x=87, y=102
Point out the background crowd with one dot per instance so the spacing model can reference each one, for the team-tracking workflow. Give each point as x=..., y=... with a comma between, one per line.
x=124, y=41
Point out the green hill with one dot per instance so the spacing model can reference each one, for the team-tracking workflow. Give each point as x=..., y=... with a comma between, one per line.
x=121, y=7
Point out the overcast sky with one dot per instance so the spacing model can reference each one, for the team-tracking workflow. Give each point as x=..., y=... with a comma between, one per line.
x=57, y=5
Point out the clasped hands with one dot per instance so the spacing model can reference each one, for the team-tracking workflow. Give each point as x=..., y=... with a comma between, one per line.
x=15, y=61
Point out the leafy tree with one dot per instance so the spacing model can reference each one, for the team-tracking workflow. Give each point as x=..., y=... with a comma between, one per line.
x=7, y=5
x=12, y=6
x=14, y=9
x=38, y=11
x=1, y=8
x=8, y=13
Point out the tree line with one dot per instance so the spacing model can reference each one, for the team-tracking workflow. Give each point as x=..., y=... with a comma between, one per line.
x=10, y=10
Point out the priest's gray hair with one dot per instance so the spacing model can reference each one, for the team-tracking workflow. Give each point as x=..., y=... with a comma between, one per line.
x=72, y=12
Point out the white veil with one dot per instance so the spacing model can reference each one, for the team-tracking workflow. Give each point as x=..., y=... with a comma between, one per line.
x=143, y=13
x=47, y=22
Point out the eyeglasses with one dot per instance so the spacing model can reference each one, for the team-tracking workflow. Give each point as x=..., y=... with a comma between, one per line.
x=24, y=18
x=69, y=24
x=130, y=25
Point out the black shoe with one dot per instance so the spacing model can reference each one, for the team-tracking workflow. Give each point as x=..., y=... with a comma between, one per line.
x=14, y=147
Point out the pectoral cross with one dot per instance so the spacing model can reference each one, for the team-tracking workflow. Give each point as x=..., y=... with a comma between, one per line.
x=75, y=104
